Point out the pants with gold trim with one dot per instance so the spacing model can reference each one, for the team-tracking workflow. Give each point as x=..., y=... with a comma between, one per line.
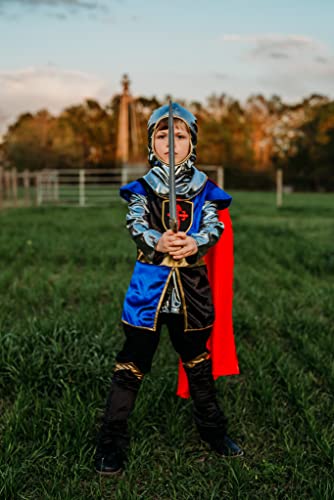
x=135, y=359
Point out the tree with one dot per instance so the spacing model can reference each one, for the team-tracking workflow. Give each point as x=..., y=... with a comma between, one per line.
x=28, y=143
x=312, y=165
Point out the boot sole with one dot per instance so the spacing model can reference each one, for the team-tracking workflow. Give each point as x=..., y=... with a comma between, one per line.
x=236, y=455
x=111, y=473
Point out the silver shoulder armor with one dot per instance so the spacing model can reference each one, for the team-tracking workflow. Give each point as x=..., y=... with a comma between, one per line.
x=137, y=223
x=211, y=228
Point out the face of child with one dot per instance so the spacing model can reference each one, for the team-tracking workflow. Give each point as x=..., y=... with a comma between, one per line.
x=181, y=142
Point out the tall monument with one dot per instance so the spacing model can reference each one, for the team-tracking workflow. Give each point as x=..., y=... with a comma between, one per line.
x=127, y=141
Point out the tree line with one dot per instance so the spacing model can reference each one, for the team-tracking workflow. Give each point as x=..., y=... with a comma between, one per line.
x=251, y=140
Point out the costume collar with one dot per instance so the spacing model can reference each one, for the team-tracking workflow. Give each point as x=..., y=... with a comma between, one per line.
x=188, y=180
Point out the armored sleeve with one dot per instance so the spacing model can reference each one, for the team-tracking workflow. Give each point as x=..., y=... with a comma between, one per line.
x=138, y=225
x=210, y=229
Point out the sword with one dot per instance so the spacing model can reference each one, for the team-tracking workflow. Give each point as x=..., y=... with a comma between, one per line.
x=172, y=192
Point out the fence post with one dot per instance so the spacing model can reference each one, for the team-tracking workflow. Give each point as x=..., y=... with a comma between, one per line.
x=125, y=174
x=220, y=177
x=39, y=192
x=1, y=186
x=14, y=185
x=48, y=186
x=279, y=187
x=26, y=184
x=82, y=188
x=56, y=186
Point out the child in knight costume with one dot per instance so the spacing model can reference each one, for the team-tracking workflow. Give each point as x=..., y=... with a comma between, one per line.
x=182, y=279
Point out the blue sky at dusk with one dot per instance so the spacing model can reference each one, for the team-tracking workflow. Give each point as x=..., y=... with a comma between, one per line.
x=57, y=52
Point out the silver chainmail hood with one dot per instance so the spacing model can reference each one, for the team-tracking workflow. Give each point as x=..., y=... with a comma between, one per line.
x=188, y=180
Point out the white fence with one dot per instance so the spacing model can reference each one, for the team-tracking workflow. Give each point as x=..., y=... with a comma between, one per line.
x=17, y=188
x=84, y=187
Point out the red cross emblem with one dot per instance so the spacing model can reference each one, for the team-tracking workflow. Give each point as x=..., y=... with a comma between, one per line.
x=184, y=214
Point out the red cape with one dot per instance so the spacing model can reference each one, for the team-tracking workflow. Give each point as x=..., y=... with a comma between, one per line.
x=219, y=261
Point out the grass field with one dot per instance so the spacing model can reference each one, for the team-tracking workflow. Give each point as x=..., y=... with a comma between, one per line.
x=64, y=272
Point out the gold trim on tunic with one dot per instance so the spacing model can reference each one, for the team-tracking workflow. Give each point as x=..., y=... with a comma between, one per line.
x=162, y=296
x=170, y=262
x=198, y=329
x=153, y=329
x=139, y=327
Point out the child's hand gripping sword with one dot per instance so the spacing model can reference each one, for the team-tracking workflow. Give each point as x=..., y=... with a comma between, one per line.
x=172, y=192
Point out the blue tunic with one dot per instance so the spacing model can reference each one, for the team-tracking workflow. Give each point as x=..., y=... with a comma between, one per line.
x=149, y=281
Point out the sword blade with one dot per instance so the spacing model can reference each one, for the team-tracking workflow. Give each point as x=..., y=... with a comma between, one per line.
x=172, y=191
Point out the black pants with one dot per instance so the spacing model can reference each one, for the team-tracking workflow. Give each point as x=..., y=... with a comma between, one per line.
x=140, y=345
x=137, y=354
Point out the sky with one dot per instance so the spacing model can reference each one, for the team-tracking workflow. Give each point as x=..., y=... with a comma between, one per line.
x=56, y=53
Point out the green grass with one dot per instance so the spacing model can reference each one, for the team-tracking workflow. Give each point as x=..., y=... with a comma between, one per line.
x=64, y=272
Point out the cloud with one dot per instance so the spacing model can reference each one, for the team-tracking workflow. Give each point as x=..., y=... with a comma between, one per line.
x=221, y=76
x=269, y=37
x=7, y=7
x=86, y=4
x=59, y=16
x=32, y=89
x=278, y=55
x=265, y=45
x=322, y=60
x=289, y=65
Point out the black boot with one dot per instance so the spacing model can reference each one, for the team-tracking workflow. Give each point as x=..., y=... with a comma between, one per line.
x=209, y=418
x=226, y=447
x=113, y=441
